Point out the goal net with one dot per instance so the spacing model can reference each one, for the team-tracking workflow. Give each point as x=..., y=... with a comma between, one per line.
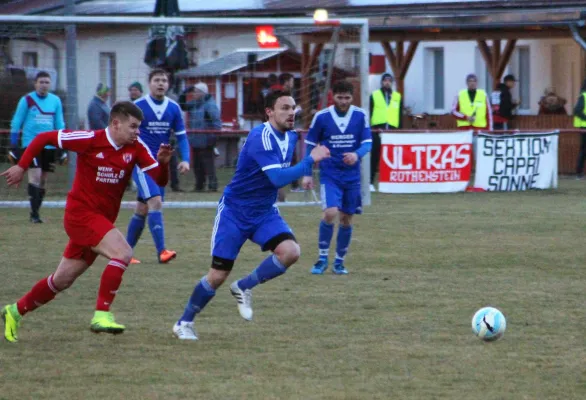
x=235, y=62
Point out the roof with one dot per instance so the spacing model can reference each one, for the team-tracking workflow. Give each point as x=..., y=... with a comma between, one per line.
x=229, y=63
x=283, y=7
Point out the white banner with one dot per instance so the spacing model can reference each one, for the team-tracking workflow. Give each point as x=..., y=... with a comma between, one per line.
x=517, y=162
x=425, y=162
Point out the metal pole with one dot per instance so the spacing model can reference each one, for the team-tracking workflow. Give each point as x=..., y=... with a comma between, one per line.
x=71, y=119
x=365, y=100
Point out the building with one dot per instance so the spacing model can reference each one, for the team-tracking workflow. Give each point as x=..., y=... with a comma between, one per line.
x=544, y=55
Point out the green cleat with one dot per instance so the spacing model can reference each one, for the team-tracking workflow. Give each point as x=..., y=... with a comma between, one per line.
x=103, y=322
x=11, y=319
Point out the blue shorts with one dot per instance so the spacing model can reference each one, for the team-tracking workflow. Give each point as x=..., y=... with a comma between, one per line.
x=230, y=232
x=345, y=197
x=147, y=187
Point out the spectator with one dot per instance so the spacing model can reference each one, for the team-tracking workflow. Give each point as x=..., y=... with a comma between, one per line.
x=472, y=108
x=503, y=104
x=550, y=103
x=386, y=111
x=135, y=91
x=98, y=111
x=580, y=123
x=203, y=113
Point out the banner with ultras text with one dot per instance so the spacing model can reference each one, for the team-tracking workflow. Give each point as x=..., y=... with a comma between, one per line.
x=517, y=162
x=425, y=162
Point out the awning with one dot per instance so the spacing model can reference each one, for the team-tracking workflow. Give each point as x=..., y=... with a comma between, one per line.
x=229, y=63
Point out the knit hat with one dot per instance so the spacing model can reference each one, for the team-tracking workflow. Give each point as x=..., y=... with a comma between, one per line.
x=202, y=87
x=385, y=76
x=471, y=76
x=135, y=85
x=102, y=89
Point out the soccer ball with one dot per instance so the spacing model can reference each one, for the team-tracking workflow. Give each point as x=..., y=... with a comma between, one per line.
x=489, y=324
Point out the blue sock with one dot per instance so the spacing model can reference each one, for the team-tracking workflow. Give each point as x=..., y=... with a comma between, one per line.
x=135, y=227
x=326, y=231
x=202, y=294
x=270, y=268
x=157, y=230
x=344, y=237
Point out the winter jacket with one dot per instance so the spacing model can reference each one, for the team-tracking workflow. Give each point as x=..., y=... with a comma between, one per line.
x=203, y=114
x=504, y=108
x=98, y=114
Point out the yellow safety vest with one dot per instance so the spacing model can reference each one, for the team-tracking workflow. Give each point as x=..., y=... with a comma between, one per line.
x=383, y=113
x=579, y=122
x=478, y=108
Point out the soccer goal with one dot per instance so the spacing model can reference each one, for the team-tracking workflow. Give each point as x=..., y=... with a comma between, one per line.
x=236, y=61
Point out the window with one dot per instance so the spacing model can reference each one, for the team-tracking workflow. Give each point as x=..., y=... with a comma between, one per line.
x=30, y=59
x=108, y=73
x=435, y=73
x=520, y=67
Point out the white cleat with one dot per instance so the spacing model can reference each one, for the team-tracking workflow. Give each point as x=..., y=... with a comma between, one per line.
x=184, y=331
x=372, y=188
x=244, y=298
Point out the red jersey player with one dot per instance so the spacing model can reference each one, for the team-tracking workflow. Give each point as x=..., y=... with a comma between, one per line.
x=104, y=166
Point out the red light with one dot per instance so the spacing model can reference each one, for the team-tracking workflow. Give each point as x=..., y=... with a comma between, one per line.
x=265, y=37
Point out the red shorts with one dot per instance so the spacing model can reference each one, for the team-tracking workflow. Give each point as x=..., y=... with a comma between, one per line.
x=85, y=230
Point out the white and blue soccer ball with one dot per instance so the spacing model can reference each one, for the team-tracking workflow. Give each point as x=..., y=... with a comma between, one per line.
x=489, y=324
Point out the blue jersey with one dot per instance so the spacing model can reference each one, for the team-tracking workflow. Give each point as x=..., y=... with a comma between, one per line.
x=34, y=115
x=160, y=118
x=341, y=135
x=250, y=191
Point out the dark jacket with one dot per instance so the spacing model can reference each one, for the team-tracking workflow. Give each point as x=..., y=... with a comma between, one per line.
x=98, y=114
x=203, y=114
x=506, y=106
x=579, y=108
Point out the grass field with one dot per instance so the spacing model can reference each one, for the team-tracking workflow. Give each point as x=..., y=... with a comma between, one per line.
x=397, y=327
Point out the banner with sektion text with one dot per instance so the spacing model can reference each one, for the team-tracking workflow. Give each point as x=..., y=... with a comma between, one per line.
x=514, y=162
x=425, y=162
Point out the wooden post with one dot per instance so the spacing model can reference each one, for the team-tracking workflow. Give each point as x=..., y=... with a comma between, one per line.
x=496, y=62
x=400, y=61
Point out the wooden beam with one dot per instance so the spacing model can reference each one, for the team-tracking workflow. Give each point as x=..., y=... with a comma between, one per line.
x=496, y=58
x=486, y=53
x=313, y=58
x=391, y=58
x=461, y=35
x=408, y=58
x=505, y=58
x=400, y=54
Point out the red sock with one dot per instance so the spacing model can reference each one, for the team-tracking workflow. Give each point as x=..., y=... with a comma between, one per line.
x=111, y=280
x=42, y=293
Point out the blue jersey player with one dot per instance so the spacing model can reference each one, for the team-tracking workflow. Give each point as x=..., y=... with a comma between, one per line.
x=37, y=112
x=161, y=116
x=344, y=129
x=247, y=212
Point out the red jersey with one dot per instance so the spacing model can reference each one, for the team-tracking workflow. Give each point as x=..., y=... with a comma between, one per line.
x=103, y=168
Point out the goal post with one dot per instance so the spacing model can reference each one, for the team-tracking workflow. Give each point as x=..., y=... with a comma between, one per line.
x=110, y=50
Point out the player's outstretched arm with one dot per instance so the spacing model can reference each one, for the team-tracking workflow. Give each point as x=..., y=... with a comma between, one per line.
x=280, y=177
x=37, y=145
x=15, y=173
